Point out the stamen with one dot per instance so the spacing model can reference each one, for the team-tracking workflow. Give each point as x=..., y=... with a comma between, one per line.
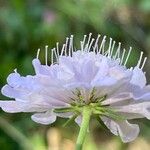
x=15, y=70
x=144, y=62
x=131, y=68
x=89, y=40
x=109, y=48
x=38, y=53
x=139, y=62
x=52, y=56
x=102, y=45
x=122, y=58
x=68, y=49
x=112, y=48
x=117, y=55
x=71, y=45
x=56, y=56
x=82, y=46
x=90, y=44
x=84, y=40
x=46, y=49
x=66, y=45
x=128, y=56
x=62, y=50
x=95, y=48
x=57, y=48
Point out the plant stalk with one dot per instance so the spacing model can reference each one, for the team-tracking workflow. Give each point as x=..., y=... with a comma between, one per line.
x=86, y=114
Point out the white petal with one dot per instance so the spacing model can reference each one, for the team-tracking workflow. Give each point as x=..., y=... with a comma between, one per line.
x=11, y=106
x=120, y=99
x=110, y=89
x=13, y=79
x=44, y=118
x=107, y=81
x=78, y=120
x=128, y=132
x=103, y=69
x=42, y=99
x=88, y=71
x=118, y=72
x=14, y=93
x=19, y=106
x=40, y=69
x=141, y=109
x=138, y=77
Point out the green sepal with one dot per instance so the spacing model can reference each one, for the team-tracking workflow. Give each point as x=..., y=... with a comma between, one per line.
x=108, y=112
x=70, y=120
x=102, y=125
x=63, y=110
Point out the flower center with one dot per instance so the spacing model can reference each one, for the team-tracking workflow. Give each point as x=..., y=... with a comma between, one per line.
x=94, y=104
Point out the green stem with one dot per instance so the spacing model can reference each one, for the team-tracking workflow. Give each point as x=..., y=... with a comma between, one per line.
x=86, y=114
x=15, y=134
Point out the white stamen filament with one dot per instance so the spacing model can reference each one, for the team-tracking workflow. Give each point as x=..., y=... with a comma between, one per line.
x=52, y=56
x=82, y=46
x=112, y=48
x=117, y=54
x=38, y=53
x=128, y=56
x=57, y=48
x=46, y=49
x=131, y=68
x=56, y=56
x=139, y=62
x=68, y=49
x=109, y=48
x=15, y=70
x=95, y=48
x=90, y=44
x=84, y=39
x=102, y=45
x=89, y=40
x=66, y=45
x=122, y=58
x=62, y=50
x=71, y=45
x=144, y=62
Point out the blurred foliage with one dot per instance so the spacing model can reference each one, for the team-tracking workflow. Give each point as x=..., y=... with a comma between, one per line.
x=28, y=25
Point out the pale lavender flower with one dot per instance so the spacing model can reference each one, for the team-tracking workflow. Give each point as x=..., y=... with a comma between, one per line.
x=95, y=76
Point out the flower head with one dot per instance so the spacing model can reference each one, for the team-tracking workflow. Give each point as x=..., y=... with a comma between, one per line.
x=94, y=77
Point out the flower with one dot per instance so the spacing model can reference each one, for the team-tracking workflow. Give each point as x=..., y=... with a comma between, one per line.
x=94, y=77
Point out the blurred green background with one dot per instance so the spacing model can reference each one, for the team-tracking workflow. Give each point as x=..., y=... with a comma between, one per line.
x=26, y=25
